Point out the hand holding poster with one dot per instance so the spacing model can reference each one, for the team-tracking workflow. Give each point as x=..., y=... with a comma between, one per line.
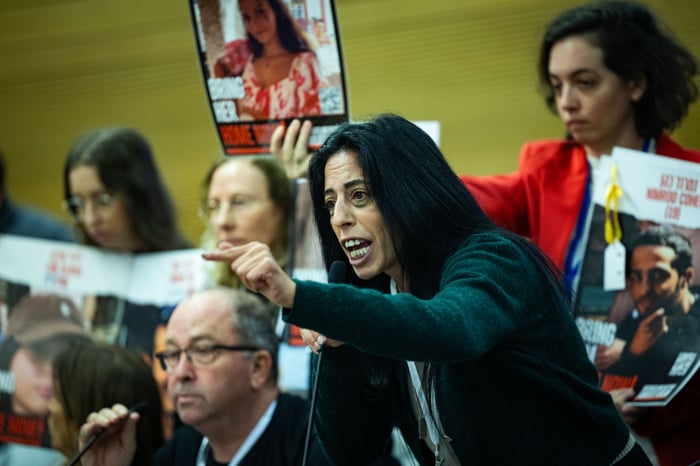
x=650, y=339
x=266, y=62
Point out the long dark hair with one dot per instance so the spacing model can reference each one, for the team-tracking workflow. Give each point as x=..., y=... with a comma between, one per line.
x=427, y=210
x=633, y=45
x=125, y=165
x=288, y=31
x=88, y=377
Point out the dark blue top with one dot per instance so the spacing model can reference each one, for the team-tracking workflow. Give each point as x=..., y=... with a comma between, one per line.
x=25, y=221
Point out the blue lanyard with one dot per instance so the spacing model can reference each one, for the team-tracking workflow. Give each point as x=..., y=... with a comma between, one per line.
x=571, y=269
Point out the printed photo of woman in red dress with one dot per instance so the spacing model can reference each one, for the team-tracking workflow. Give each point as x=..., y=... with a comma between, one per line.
x=282, y=75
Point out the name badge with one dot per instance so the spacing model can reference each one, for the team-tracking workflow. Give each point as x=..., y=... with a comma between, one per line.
x=614, y=267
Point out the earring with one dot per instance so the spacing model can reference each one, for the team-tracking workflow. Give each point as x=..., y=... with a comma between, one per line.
x=637, y=94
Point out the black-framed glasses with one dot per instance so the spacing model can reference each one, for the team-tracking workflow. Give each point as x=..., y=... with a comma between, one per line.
x=200, y=355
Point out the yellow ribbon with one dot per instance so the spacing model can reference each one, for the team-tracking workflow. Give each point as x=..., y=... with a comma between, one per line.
x=613, y=232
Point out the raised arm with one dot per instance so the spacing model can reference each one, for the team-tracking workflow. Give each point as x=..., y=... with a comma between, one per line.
x=290, y=147
x=258, y=270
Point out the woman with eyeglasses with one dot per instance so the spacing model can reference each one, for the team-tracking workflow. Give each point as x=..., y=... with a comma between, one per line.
x=243, y=200
x=116, y=195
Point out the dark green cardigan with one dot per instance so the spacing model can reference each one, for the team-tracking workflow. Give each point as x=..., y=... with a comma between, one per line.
x=513, y=386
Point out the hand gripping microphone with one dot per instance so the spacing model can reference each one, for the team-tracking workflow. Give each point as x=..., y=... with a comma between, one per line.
x=335, y=275
x=141, y=408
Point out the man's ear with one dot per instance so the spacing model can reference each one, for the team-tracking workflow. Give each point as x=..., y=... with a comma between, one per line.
x=260, y=367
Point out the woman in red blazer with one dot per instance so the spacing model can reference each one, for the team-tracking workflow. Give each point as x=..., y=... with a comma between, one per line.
x=615, y=79
x=611, y=86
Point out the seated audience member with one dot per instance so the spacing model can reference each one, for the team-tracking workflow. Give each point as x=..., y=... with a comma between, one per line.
x=114, y=190
x=89, y=376
x=246, y=199
x=221, y=360
x=446, y=327
x=24, y=221
x=116, y=195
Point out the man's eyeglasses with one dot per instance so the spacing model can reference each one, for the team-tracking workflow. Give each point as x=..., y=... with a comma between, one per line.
x=197, y=355
x=101, y=201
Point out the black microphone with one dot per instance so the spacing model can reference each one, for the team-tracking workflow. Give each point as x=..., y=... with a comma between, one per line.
x=335, y=275
x=337, y=272
x=141, y=408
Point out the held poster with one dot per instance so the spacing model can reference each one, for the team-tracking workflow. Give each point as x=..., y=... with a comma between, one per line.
x=268, y=62
x=642, y=330
x=52, y=293
x=55, y=293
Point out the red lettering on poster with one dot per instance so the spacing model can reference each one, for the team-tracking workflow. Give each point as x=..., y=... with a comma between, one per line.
x=263, y=133
x=236, y=135
x=687, y=184
x=666, y=181
x=611, y=382
x=62, y=267
x=21, y=429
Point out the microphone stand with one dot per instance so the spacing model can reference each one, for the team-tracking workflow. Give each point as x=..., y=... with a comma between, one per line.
x=312, y=409
x=140, y=408
x=336, y=274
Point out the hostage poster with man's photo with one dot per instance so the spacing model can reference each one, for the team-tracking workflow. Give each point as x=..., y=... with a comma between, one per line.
x=639, y=291
x=266, y=62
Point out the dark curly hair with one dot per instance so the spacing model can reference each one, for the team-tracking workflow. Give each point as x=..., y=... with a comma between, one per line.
x=634, y=44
